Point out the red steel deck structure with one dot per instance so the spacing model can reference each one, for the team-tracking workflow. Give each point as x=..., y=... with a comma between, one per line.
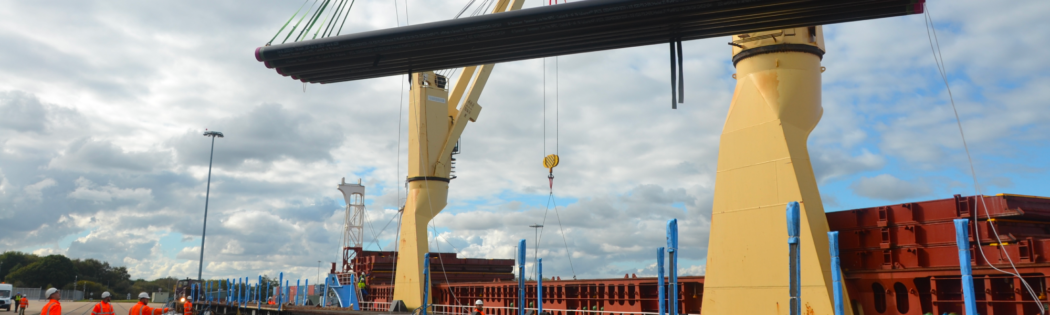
x=897, y=259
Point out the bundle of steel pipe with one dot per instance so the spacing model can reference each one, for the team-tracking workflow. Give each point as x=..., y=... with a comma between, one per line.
x=577, y=27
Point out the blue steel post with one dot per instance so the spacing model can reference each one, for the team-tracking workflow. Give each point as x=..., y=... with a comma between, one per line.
x=227, y=299
x=662, y=291
x=269, y=290
x=324, y=294
x=962, y=240
x=298, y=286
x=259, y=295
x=794, y=279
x=521, y=277
x=539, y=286
x=672, y=268
x=286, y=290
x=426, y=283
x=306, y=291
x=280, y=280
x=836, y=272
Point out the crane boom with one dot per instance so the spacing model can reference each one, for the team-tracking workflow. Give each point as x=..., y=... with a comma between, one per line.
x=436, y=121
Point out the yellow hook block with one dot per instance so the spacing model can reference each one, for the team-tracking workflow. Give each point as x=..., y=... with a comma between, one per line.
x=550, y=162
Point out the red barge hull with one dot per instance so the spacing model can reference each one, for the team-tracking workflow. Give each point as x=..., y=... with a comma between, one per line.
x=897, y=259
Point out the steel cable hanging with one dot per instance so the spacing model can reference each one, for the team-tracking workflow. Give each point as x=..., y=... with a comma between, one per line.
x=286, y=23
x=297, y=22
x=345, y=16
x=335, y=18
x=557, y=144
x=935, y=48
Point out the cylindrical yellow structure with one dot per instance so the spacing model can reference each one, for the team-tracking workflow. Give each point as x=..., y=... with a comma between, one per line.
x=763, y=164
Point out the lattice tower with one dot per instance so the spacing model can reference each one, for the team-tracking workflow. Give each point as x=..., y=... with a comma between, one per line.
x=353, y=226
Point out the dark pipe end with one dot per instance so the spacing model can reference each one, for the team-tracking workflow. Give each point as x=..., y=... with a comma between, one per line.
x=268, y=64
x=295, y=78
x=258, y=55
x=281, y=73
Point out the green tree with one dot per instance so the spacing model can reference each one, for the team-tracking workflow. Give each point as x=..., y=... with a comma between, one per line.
x=53, y=270
x=13, y=260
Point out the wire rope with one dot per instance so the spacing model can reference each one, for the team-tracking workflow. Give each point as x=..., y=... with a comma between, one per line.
x=292, y=31
x=335, y=18
x=344, y=17
x=310, y=23
x=286, y=23
x=935, y=48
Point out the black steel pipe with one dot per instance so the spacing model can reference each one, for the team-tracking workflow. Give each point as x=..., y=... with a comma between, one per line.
x=555, y=30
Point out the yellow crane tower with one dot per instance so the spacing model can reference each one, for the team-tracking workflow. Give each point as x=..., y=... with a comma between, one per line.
x=763, y=164
x=435, y=122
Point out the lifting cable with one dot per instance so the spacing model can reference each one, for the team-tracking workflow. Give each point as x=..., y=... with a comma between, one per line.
x=552, y=160
x=297, y=23
x=935, y=48
x=286, y=23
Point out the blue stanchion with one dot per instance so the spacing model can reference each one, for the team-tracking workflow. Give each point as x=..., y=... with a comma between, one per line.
x=426, y=283
x=794, y=271
x=521, y=277
x=672, y=251
x=836, y=272
x=660, y=286
x=539, y=286
x=280, y=280
x=962, y=240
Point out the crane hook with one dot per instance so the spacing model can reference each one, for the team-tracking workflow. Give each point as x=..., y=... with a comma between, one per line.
x=550, y=162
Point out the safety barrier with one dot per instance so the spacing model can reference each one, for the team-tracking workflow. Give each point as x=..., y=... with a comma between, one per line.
x=441, y=309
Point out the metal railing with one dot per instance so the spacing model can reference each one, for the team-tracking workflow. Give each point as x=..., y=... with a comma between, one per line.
x=375, y=306
x=466, y=310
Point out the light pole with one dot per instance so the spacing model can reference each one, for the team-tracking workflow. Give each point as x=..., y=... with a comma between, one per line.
x=536, y=251
x=213, y=135
x=318, y=270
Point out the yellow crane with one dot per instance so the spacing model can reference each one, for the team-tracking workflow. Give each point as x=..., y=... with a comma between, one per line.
x=435, y=121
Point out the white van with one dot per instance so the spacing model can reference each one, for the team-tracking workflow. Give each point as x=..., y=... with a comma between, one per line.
x=5, y=296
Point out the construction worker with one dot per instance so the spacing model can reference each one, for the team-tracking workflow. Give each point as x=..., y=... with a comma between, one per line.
x=52, y=307
x=361, y=285
x=478, y=305
x=187, y=308
x=15, y=299
x=24, y=303
x=142, y=309
x=103, y=307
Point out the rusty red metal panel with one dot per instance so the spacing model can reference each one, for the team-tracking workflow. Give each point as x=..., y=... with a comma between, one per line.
x=902, y=256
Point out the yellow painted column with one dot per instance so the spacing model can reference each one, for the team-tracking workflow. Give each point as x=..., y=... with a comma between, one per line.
x=429, y=123
x=763, y=163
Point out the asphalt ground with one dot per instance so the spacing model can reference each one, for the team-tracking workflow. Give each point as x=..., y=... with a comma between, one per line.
x=77, y=308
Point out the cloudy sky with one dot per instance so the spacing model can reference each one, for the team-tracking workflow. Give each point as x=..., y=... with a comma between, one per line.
x=102, y=107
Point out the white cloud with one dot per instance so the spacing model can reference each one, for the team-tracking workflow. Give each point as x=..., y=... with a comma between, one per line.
x=890, y=188
x=35, y=191
x=107, y=193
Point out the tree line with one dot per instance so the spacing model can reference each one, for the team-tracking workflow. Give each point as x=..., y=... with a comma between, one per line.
x=58, y=271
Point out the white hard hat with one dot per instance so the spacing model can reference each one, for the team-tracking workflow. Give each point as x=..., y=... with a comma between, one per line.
x=47, y=295
x=143, y=295
x=479, y=302
x=105, y=294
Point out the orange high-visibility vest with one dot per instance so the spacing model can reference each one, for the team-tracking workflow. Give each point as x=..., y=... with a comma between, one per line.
x=51, y=308
x=143, y=309
x=24, y=302
x=102, y=308
x=187, y=308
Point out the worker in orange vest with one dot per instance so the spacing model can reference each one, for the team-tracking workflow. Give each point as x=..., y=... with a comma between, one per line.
x=103, y=307
x=478, y=305
x=142, y=309
x=52, y=307
x=187, y=308
x=24, y=303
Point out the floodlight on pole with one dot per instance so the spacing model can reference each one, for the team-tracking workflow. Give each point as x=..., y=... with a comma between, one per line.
x=536, y=251
x=207, y=194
